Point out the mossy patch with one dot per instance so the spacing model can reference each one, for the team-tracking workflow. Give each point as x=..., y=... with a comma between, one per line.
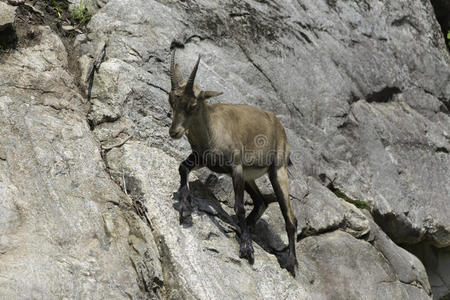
x=448, y=39
x=358, y=203
x=446, y=297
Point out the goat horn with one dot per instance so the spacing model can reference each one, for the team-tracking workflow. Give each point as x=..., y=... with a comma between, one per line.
x=173, y=76
x=176, y=77
x=190, y=84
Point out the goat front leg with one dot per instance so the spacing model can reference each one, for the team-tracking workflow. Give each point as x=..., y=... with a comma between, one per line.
x=246, y=248
x=189, y=164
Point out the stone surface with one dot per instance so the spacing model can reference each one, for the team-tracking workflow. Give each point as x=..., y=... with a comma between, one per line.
x=91, y=5
x=377, y=127
x=362, y=88
x=350, y=81
x=62, y=231
x=437, y=262
x=347, y=268
x=7, y=15
x=402, y=261
x=202, y=257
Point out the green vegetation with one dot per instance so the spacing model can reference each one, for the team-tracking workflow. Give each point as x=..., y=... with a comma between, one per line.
x=447, y=297
x=448, y=38
x=358, y=203
x=59, y=6
x=80, y=14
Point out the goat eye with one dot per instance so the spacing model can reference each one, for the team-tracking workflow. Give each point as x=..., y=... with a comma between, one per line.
x=190, y=107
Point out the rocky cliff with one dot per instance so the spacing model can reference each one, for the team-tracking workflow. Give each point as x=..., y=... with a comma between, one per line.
x=88, y=172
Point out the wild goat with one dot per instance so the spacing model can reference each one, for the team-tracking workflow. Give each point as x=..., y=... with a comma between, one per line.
x=239, y=140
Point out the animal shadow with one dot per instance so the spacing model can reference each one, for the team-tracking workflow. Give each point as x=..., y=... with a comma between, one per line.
x=203, y=201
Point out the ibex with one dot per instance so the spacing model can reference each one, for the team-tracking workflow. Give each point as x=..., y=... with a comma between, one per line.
x=239, y=140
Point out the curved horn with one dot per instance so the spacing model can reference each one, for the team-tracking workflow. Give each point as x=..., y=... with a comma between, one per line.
x=176, y=78
x=173, y=78
x=190, y=84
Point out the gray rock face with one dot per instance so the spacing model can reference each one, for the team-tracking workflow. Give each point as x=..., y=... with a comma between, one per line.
x=358, y=269
x=204, y=257
x=62, y=233
x=7, y=15
x=361, y=87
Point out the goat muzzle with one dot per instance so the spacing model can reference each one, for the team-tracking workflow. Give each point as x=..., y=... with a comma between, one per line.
x=176, y=133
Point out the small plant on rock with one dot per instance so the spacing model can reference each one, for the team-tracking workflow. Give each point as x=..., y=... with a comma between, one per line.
x=448, y=38
x=59, y=6
x=80, y=14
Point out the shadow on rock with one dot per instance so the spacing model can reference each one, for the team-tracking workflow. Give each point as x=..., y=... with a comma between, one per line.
x=203, y=201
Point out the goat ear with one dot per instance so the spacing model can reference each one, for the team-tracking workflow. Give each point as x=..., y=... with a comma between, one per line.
x=208, y=94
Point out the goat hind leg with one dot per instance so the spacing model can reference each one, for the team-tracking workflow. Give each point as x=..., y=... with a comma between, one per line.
x=279, y=179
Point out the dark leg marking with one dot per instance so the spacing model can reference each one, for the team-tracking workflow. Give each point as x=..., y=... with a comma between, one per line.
x=246, y=248
x=259, y=203
x=183, y=192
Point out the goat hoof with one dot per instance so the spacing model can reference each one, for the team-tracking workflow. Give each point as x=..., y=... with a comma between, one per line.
x=292, y=262
x=251, y=258
x=185, y=209
x=185, y=214
x=246, y=251
x=291, y=269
